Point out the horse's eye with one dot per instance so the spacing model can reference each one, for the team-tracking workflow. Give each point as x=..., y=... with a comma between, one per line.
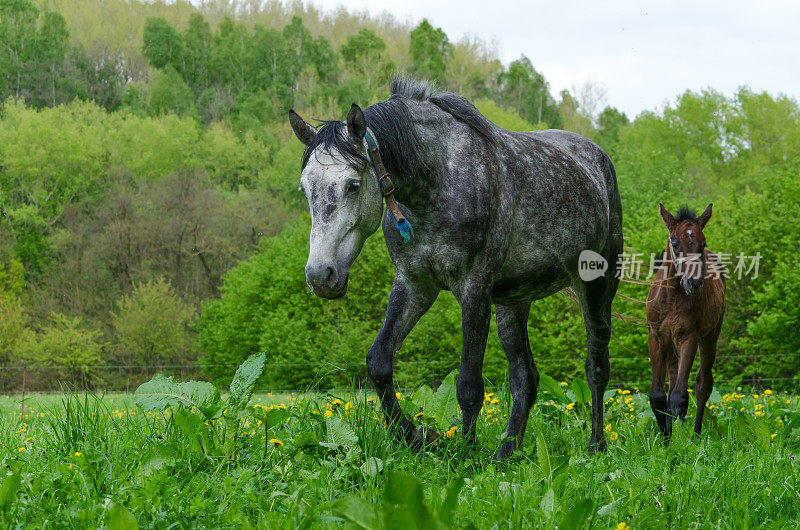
x=352, y=186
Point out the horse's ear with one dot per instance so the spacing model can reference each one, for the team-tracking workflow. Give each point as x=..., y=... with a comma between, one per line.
x=305, y=132
x=703, y=219
x=667, y=217
x=356, y=124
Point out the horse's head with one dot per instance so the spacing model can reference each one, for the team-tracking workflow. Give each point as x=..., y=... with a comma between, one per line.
x=686, y=246
x=343, y=198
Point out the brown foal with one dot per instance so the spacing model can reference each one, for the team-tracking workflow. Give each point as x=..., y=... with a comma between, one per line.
x=684, y=311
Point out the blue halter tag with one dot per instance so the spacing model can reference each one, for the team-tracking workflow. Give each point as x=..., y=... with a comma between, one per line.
x=387, y=189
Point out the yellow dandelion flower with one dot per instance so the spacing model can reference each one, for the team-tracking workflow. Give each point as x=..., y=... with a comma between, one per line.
x=419, y=415
x=570, y=406
x=622, y=526
x=772, y=436
x=399, y=396
x=336, y=402
x=21, y=449
x=613, y=436
x=450, y=432
x=495, y=401
x=348, y=406
x=608, y=428
x=78, y=453
x=768, y=392
x=275, y=442
x=328, y=413
x=563, y=383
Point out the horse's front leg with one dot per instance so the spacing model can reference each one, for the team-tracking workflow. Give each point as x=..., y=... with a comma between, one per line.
x=476, y=309
x=679, y=392
x=407, y=304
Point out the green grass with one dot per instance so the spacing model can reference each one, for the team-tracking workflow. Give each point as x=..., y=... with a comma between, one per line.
x=86, y=461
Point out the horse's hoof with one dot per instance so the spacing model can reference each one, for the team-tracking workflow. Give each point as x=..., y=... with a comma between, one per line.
x=422, y=437
x=506, y=449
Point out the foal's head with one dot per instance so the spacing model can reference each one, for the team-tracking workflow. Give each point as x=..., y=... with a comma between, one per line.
x=343, y=198
x=686, y=246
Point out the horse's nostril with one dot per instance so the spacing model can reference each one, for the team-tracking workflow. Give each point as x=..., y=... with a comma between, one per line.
x=330, y=278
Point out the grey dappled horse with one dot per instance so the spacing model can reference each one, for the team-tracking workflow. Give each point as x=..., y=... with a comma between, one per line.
x=498, y=217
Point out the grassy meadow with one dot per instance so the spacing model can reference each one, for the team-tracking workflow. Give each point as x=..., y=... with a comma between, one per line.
x=81, y=460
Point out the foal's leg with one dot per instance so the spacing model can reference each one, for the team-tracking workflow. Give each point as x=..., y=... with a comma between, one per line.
x=512, y=326
x=476, y=309
x=704, y=382
x=407, y=304
x=595, y=298
x=672, y=375
x=679, y=392
x=658, y=364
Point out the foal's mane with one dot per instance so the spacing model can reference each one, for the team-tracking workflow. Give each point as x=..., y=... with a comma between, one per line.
x=401, y=147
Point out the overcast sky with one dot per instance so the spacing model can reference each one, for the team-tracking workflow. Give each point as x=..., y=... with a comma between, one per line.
x=644, y=53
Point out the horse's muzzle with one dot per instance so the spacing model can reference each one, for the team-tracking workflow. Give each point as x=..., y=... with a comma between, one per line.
x=325, y=282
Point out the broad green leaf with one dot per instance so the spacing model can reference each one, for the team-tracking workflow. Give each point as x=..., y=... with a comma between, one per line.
x=340, y=433
x=445, y=403
x=577, y=517
x=423, y=397
x=360, y=513
x=372, y=467
x=762, y=433
x=608, y=394
x=581, y=391
x=715, y=397
x=406, y=491
x=542, y=456
x=548, y=503
x=552, y=387
x=120, y=518
x=162, y=392
x=160, y=460
x=194, y=430
x=244, y=381
x=8, y=491
x=450, y=502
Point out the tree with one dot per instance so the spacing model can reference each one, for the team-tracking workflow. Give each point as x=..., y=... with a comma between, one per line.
x=169, y=94
x=365, y=54
x=151, y=325
x=197, y=41
x=609, y=123
x=527, y=91
x=65, y=342
x=430, y=50
x=162, y=44
x=17, y=38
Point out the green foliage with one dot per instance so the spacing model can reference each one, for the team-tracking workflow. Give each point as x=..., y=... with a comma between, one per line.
x=169, y=94
x=244, y=381
x=151, y=325
x=403, y=506
x=84, y=454
x=430, y=49
x=162, y=392
x=163, y=45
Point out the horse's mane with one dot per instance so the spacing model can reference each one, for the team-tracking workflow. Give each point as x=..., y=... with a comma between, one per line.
x=685, y=214
x=391, y=122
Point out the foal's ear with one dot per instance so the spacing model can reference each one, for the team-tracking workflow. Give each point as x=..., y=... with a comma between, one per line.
x=305, y=132
x=667, y=217
x=356, y=124
x=703, y=219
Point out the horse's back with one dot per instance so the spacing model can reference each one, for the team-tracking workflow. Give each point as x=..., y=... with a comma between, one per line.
x=565, y=201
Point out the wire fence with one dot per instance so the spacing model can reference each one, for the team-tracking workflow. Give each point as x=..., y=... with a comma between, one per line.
x=126, y=378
